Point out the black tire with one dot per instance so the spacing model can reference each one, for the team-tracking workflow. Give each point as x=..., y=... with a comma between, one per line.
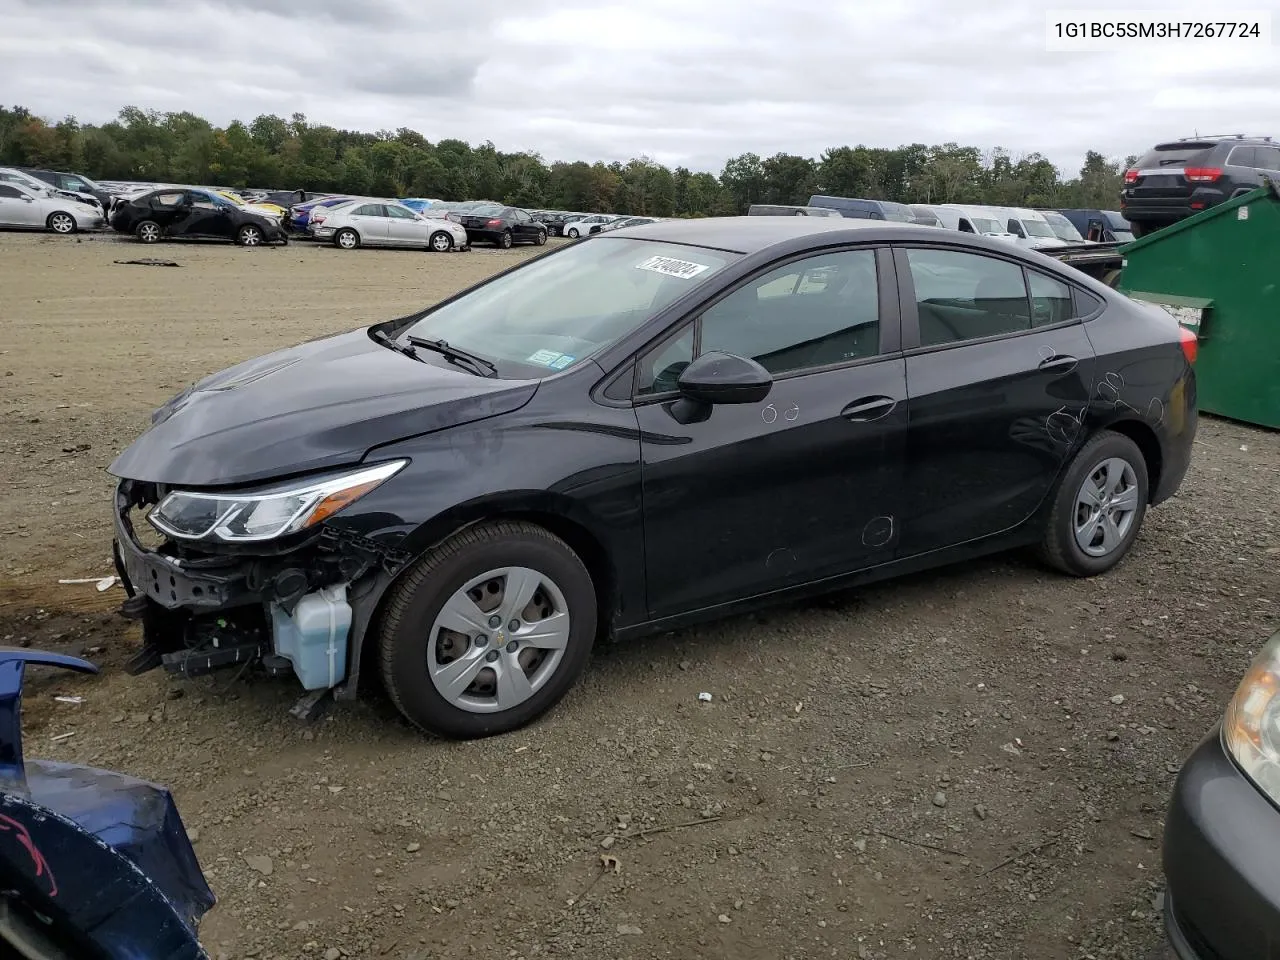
x=61, y=222
x=440, y=242
x=1059, y=548
x=250, y=235
x=405, y=634
x=1139, y=230
x=572, y=233
x=504, y=241
x=541, y=238
x=148, y=231
x=346, y=239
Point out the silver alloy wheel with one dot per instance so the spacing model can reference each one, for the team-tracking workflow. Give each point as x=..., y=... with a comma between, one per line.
x=573, y=233
x=1106, y=506
x=347, y=240
x=440, y=242
x=250, y=236
x=62, y=223
x=498, y=640
x=148, y=233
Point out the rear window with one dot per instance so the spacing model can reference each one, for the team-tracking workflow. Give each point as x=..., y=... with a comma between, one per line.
x=1175, y=155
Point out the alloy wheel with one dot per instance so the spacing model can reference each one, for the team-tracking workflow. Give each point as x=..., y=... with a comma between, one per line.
x=441, y=242
x=250, y=236
x=498, y=640
x=1106, y=506
x=62, y=223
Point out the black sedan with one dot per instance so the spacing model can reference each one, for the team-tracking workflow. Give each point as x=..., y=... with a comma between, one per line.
x=654, y=426
x=193, y=214
x=1222, y=834
x=500, y=225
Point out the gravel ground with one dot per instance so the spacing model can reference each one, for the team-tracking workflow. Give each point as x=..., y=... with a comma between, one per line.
x=968, y=763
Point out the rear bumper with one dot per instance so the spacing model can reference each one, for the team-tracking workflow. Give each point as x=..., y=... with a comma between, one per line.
x=1166, y=210
x=1221, y=861
x=483, y=236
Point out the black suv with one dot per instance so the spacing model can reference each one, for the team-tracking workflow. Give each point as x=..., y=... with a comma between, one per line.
x=1180, y=178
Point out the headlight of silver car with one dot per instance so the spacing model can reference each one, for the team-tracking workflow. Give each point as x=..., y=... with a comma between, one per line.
x=1251, y=728
x=266, y=512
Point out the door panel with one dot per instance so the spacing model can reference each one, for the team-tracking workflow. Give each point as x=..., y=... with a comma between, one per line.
x=404, y=229
x=993, y=420
x=801, y=486
x=371, y=223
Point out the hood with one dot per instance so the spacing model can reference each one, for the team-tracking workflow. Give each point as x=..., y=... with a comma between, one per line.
x=314, y=406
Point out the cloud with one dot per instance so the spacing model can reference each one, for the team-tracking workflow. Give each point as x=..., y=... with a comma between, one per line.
x=682, y=82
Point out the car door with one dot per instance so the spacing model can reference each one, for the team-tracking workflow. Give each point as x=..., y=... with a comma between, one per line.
x=522, y=227
x=404, y=227
x=371, y=222
x=801, y=486
x=208, y=216
x=999, y=374
x=19, y=208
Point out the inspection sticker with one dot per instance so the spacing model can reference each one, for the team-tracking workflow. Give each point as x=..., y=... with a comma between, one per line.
x=684, y=269
x=551, y=358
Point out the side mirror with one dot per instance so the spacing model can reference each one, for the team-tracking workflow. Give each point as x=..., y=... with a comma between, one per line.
x=716, y=378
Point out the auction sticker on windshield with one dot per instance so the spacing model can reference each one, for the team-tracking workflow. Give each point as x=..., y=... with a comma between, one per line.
x=551, y=358
x=684, y=269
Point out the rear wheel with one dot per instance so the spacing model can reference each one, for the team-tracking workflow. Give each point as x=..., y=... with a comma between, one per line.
x=347, y=239
x=1139, y=229
x=441, y=242
x=249, y=235
x=504, y=241
x=488, y=631
x=1098, y=508
x=541, y=238
x=61, y=222
x=148, y=231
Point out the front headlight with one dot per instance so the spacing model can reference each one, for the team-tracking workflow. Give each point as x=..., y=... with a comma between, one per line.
x=1251, y=728
x=267, y=512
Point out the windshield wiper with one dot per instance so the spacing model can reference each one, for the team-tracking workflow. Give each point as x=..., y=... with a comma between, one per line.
x=388, y=341
x=478, y=365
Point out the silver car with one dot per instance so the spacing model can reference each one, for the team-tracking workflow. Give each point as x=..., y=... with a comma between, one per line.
x=383, y=223
x=27, y=208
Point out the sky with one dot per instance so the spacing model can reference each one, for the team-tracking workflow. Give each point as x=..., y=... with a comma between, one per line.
x=689, y=82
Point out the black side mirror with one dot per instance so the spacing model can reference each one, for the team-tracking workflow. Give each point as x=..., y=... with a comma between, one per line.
x=716, y=378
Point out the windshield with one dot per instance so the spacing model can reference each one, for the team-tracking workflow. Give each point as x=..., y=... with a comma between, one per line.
x=562, y=307
x=982, y=225
x=1038, y=228
x=1063, y=228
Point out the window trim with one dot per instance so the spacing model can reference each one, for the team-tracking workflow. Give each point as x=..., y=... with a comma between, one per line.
x=911, y=345
x=889, y=321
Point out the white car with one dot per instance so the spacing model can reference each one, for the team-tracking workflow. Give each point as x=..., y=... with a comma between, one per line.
x=383, y=223
x=582, y=226
x=27, y=208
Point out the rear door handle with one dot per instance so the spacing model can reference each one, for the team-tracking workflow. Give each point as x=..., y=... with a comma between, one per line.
x=1059, y=362
x=866, y=409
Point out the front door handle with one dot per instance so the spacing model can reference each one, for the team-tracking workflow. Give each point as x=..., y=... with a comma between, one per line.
x=1059, y=362
x=866, y=409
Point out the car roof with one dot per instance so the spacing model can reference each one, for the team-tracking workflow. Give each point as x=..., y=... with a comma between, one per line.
x=750, y=234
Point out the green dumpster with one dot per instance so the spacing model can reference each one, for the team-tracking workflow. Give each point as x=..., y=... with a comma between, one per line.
x=1218, y=272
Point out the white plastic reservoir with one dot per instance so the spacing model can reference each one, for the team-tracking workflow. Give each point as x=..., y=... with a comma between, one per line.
x=314, y=638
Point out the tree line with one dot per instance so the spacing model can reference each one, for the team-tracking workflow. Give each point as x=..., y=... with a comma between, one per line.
x=275, y=153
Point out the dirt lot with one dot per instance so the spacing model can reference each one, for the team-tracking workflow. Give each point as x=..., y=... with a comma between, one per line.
x=866, y=782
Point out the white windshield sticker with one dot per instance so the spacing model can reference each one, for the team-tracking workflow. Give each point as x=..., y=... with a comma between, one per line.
x=552, y=359
x=685, y=269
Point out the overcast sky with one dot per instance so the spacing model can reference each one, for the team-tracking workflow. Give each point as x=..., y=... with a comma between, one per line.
x=681, y=81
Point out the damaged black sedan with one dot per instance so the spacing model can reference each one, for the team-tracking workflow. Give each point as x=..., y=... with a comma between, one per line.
x=655, y=426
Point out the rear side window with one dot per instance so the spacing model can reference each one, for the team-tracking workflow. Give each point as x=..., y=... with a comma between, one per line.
x=967, y=296
x=168, y=199
x=1050, y=300
x=368, y=210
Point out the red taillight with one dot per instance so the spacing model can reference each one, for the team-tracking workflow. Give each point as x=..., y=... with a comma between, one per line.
x=317, y=219
x=1131, y=176
x=494, y=223
x=1202, y=174
x=1190, y=344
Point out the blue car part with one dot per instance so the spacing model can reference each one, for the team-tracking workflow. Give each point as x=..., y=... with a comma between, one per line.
x=93, y=864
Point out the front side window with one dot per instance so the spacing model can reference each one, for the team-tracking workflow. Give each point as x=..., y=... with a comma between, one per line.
x=399, y=213
x=557, y=310
x=1015, y=228
x=966, y=296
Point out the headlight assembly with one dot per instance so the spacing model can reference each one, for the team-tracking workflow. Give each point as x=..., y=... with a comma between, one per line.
x=267, y=512
x=1251, y=728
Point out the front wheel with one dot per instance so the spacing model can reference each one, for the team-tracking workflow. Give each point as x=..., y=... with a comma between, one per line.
x=61, y=222
x=572, y=233
x=249, y=236
x=441, y=242
x=488, y=631
x=504, y=241
x=1098, y=508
